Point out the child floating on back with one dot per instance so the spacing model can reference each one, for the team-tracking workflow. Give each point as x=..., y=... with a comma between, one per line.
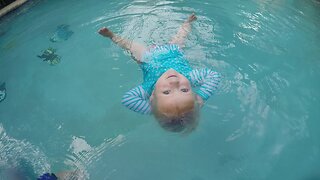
x=168, y=81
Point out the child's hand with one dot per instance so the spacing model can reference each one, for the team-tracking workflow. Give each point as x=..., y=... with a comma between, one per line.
x=191, y=18
x=105, y=32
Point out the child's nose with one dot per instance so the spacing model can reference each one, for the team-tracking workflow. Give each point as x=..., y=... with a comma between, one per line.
x=174, y=81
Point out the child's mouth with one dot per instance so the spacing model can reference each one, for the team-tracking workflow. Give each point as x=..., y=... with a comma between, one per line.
x=171, y=76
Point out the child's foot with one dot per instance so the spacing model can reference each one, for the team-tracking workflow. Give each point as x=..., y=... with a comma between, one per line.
x=106, y=32
x=191, y=18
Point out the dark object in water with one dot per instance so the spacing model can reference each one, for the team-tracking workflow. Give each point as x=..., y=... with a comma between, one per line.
x=62, y=33
x=3, y=93
x=47, y=176
x=50, y=57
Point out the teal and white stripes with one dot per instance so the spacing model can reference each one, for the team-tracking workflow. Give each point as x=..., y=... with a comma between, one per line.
x=208, y=81
x=137, y=99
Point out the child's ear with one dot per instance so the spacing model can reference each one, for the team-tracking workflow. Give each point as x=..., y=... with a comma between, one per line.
x=199, y=100
x=151, y=97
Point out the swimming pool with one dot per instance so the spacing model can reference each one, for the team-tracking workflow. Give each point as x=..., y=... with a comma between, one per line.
x=263, y=123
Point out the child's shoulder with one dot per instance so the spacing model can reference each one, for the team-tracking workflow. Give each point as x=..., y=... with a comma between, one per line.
x=200, y=71
x=202, y=74
x=203, y=70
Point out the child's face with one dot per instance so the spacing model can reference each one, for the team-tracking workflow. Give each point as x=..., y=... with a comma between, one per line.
x=173, y=89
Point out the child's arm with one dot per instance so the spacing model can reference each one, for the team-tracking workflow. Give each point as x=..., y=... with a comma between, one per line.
x=183, y=31
x=136, y=49
x=137, y=100
x=208, y=81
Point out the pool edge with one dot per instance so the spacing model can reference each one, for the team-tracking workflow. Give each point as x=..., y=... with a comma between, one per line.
x=14, y=5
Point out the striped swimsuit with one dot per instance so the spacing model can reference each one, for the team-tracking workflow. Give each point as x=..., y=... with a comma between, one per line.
x=158, y=60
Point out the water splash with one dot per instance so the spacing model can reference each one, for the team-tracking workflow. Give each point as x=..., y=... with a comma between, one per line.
x=21, y=156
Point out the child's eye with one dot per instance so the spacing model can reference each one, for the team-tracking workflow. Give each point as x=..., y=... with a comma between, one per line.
x=166, y=92
x=184, y=90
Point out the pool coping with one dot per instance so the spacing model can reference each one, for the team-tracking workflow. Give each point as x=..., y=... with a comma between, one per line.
x=14, y=5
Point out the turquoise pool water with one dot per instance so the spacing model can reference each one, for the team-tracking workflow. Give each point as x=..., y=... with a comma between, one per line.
x=263, y=122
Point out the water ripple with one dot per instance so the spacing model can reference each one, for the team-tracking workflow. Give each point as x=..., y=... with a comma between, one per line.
x=82, y=154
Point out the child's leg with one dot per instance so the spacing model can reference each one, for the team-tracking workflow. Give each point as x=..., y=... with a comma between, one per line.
x=135, y=48
x=183, y=31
